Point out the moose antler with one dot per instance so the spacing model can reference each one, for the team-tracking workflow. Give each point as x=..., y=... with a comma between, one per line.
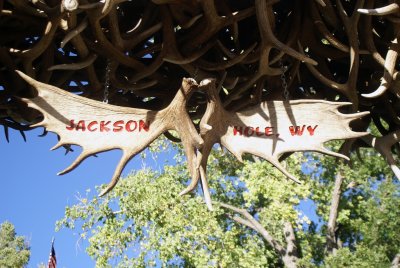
x=99, y=127
x=303, y=125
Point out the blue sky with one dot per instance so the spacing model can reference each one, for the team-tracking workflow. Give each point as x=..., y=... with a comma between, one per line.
x=34, y=197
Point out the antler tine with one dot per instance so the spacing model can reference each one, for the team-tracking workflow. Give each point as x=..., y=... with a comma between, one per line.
x=323, y=79
x=389, y=70
x=192, y=185
x=225, y=64
x=367, y=32
x=34, y=52
x=23, y=6
x=170, y=52
x=106, y=46
x=212, y=24
x=77, y=161
x=321, y=2
x=81, y=48
x=331, y=153
x=278, y=165
x=269, y=38
x=74, y=66
x=147, y=26
x=383, y=145
x=381, y=11
x=117, y=173
x=201, y=159
x=29, y=55
x=206, y=190
x=320, y=25
x=82, y=26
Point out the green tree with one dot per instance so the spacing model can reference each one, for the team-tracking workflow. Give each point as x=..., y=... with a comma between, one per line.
x=257, y=219
x=14, y=250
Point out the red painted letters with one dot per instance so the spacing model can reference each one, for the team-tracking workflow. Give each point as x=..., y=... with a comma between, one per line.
x=81, y=125
x=297, y=130
x=118, y=126
x=129, y=126
x=249, y=131
x=91, y=126
x=311, y=129
x=71, y=125
x=253, y=131
x=107, y=126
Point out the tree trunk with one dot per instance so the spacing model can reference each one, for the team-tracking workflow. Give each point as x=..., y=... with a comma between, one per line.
x=291, y=255
x=396, y=262
x=289, y=261
x=331, y=241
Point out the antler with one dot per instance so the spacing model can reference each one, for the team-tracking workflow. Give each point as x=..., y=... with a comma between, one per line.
x=392, y=53
x=151, y=45
x=271, y=129
x=386, y=10
x=99, y=127
x=383, y=145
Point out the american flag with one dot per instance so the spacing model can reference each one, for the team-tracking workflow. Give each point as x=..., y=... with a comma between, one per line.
x=52, y=258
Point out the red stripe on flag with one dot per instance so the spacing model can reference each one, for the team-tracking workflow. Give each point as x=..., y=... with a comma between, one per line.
x=52, y=259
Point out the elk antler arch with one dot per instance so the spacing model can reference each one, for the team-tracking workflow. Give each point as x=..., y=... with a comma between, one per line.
x=151, y=45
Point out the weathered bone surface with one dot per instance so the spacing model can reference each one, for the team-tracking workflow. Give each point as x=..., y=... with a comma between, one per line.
x=384, y=145
x=273, y=128
x=267, y=130
x=99, y=127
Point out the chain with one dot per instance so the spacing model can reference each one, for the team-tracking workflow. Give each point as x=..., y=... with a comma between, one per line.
x=196, y=72
x=283, y=78
x=107, y=83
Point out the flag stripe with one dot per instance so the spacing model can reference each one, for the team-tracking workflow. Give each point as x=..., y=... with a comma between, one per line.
x=52, y=259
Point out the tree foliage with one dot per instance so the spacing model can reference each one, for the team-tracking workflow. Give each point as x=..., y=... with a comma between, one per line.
x=144, y=223
x=14, y=250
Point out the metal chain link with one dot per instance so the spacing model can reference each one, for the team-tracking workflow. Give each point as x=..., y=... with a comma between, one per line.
x=196, y=71
x=107, y=83
x=284, y=82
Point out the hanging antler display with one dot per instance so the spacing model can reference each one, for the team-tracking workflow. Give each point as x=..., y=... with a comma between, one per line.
x=99, y=127
x=271, y=129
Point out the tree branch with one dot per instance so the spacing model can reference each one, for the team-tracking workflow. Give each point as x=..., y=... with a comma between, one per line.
x=258, y=227
x=290, y=237
x=243, y=222
x=331, y=243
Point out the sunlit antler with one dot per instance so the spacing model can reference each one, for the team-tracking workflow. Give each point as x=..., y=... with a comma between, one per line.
x=99, y=127
x=392, y=53
x=384, y=146
x=386, y=10
x=271, y=129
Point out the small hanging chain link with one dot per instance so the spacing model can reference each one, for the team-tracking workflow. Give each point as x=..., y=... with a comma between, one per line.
x=196, y=72
x=284, y=82
x=107, y=82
